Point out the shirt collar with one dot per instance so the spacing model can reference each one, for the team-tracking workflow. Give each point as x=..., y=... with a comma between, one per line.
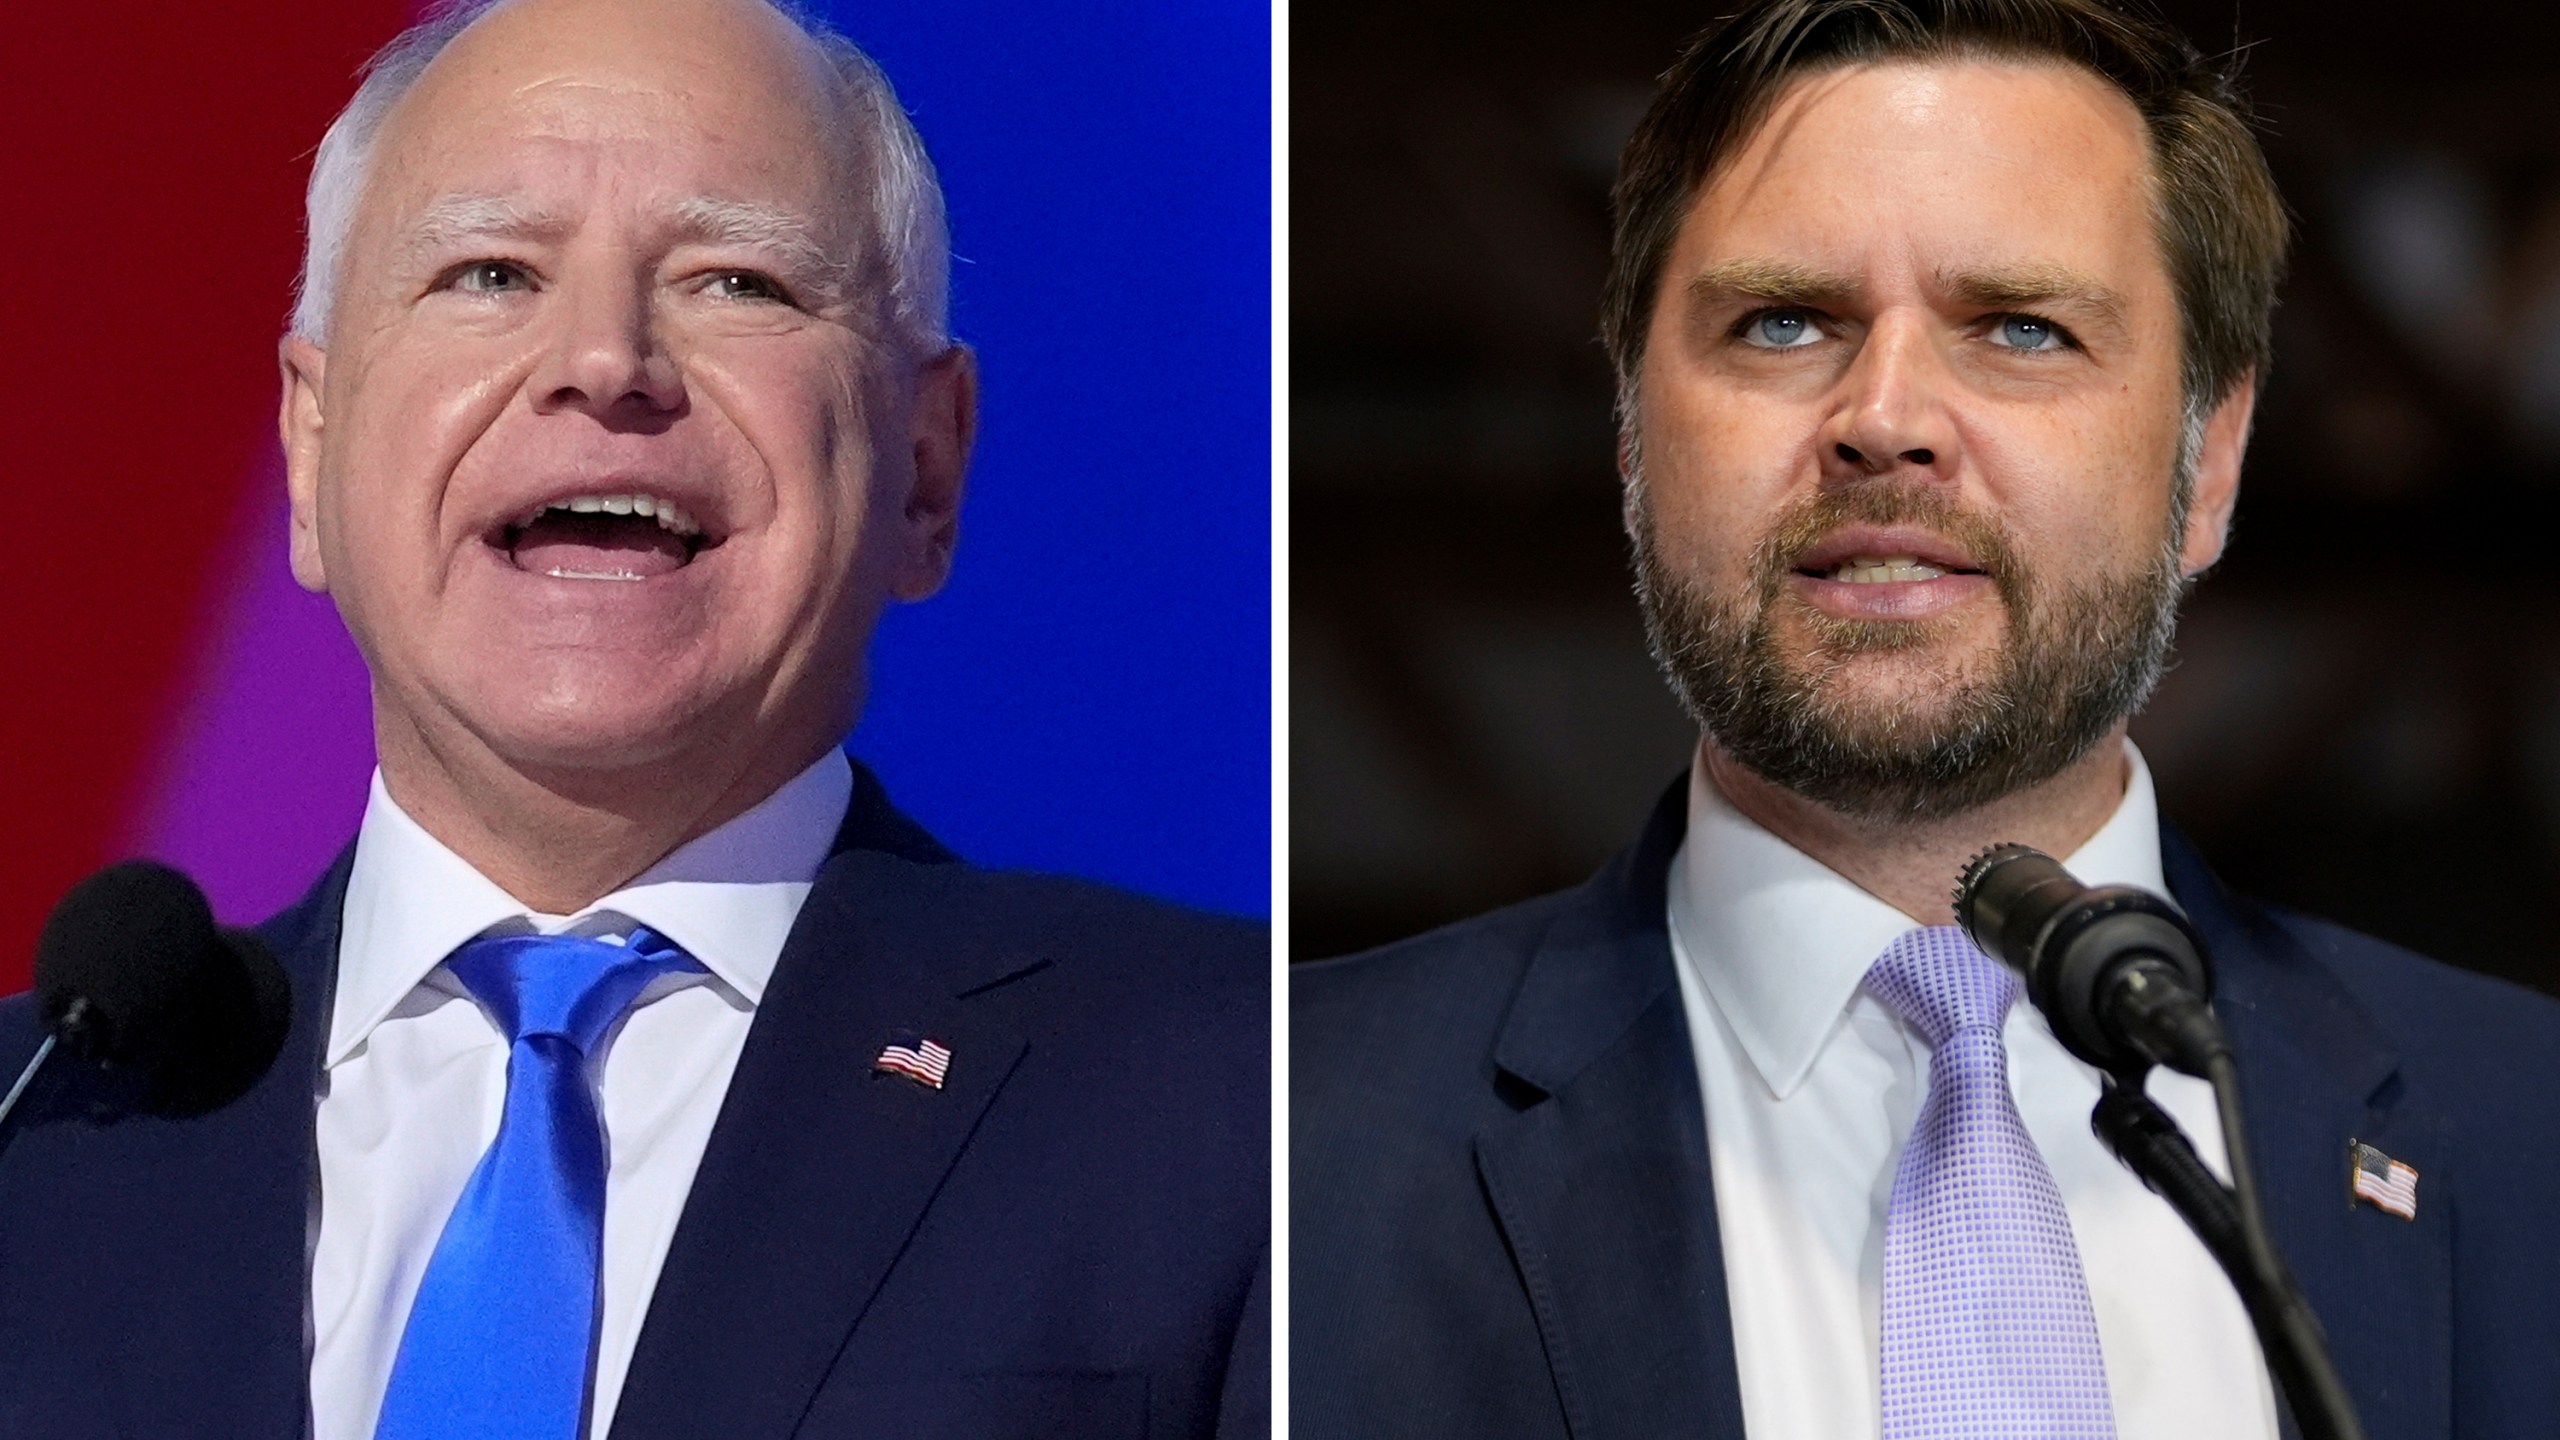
x=1782, y=941
x=728, y=897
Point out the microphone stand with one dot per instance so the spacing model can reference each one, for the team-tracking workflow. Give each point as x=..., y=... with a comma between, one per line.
x=77, y=1018
x=43, y=1053
x=2125, y=981
x=2227, y=1219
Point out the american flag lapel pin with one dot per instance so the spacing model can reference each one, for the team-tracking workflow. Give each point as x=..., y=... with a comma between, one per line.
x=2381, y=1181
x=923, y=1060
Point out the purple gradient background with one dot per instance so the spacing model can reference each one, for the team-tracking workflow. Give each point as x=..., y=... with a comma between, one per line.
x=266, y=769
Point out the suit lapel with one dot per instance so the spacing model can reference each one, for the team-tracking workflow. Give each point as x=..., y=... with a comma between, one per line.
x=2318, y=1073
x=1600, y=1176
x=820, y=1169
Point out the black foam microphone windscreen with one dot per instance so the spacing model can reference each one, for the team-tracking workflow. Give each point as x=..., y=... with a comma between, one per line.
x=132, y=972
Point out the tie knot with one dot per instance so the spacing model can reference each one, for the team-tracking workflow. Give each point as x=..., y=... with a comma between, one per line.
x=568, y=986
x=1936, y=980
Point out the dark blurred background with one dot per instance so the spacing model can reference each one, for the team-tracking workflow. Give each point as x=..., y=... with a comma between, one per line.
x=2365, y=716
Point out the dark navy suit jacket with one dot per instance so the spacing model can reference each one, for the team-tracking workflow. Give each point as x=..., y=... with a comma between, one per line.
x=1503, y=1222
x=1069, y=1239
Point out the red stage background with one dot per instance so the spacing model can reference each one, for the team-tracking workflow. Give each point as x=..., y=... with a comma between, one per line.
x=154, y=172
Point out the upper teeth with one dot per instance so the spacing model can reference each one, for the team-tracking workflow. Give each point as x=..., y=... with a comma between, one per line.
x=669, y=515
x=1875, y=569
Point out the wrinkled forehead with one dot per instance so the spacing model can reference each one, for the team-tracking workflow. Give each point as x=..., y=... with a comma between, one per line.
x=649, y=101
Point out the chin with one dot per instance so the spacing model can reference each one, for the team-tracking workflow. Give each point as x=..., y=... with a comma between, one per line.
x=1892, y=666
x=592, y=723
x=1894, y=723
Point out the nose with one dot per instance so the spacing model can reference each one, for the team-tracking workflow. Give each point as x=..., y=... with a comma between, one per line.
x=1891, y=412
x=606, y=357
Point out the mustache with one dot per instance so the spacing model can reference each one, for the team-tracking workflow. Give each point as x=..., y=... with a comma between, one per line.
x=1815, y=518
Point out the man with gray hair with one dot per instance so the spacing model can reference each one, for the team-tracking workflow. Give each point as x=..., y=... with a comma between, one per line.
x=649, y=1074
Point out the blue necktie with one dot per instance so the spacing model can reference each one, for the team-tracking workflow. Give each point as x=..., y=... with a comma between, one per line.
x=501, y=1339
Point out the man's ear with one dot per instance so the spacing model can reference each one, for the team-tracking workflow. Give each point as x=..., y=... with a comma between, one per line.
x=2217, y=478
x=298, y=425
x=944, y=427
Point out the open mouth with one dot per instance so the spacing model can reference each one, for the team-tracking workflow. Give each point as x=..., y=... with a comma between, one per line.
x=1883, y=570
x=605, y=537
x=1887, y=555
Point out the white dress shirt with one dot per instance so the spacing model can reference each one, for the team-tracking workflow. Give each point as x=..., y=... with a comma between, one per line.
x=414, y=1079
x=1812, y=1086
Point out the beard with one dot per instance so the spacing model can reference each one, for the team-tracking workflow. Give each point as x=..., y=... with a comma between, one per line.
x=2076, y=659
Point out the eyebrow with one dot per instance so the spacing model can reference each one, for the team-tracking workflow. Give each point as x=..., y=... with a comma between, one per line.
x=454, y=220
x=458, y=220
x=2037, y=287
x=789, y=237
x=2020, y=287
x=1770, y=282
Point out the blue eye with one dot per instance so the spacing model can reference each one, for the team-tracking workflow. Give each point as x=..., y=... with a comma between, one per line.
x=487, y=277
x=746, y=285
x=1780, y=330
x=2026, y=332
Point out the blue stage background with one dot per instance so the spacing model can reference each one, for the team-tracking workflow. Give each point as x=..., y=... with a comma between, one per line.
x=1092, y=692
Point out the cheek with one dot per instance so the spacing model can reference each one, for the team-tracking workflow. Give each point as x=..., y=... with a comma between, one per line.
x=1719, y=466
x=397, y=450
x=2080, y=484
x=800, y=421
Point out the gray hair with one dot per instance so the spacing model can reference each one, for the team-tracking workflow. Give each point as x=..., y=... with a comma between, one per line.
x=906, y=218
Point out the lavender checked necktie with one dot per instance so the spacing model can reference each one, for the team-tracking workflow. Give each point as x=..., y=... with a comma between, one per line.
x=1988, y=1334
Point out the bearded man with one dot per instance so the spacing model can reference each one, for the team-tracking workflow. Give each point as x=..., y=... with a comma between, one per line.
x=1938, y=325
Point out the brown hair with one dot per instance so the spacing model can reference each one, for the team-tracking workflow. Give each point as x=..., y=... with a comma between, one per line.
x=2222, y=226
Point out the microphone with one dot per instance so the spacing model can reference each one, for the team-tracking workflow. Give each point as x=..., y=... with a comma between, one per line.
x=133, y=975
x=2122, y=978
x=2116, y=969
